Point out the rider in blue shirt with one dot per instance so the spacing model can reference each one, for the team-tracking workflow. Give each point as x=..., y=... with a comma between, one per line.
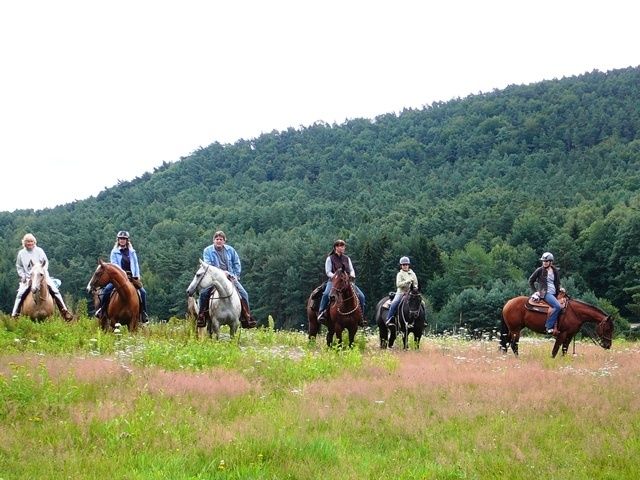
x=225, y=257
x=124, y=255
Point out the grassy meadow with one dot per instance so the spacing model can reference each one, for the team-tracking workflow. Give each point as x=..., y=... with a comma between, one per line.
x=77, y=403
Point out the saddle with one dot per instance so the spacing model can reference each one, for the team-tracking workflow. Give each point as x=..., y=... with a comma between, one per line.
x=541, y=306
x=316, y=296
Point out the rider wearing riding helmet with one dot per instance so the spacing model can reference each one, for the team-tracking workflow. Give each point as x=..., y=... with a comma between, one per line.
x=547, y=279
x=124, y=255
x=404, y=279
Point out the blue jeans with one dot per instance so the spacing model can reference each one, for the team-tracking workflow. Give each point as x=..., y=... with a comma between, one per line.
x=327, y=291
x=394, y=305
x=206, y=293
x=555, y=310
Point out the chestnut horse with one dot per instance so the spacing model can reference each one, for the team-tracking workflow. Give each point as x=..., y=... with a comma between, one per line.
x=344, y=311
x=516, y=316
x=410, y=318
x=38, y=303
x=124, y=306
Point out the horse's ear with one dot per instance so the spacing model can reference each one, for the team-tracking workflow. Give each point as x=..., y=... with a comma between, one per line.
x=30, y=264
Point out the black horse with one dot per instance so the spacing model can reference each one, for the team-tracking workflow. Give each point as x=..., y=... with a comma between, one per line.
x=410, y=318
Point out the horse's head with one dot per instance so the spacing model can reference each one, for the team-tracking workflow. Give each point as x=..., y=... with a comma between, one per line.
x=198, y=278
x=38, y=276
x=100, y=277
x=604, y=330
x=414, y=300
x=341, y=281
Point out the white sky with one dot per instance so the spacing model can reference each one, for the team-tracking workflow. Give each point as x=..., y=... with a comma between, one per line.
x=93, y=92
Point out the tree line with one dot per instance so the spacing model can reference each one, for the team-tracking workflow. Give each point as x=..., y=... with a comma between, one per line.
x=473, y=190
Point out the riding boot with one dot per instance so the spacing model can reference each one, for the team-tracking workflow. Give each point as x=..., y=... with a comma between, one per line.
x=16, y=307
x=246, y=319
x=66, y=314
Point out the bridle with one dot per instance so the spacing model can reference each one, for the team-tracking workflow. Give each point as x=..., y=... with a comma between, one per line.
x=202, y=278
x=353, y=295
x=593, y=335
x=413, y=314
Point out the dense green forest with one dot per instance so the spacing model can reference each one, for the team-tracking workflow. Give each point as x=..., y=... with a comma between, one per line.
x=473, y=190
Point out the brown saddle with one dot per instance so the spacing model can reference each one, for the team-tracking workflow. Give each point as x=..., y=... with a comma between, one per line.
x=541, y=306
x=316, y=296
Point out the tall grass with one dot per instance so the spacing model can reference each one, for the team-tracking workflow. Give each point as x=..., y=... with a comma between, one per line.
x=79, y=403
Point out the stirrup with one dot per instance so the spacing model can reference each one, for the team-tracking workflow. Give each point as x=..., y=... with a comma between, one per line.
x=202, y=320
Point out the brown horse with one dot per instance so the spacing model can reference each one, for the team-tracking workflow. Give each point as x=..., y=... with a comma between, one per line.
x=344, y=312
x=313, y=302
x=516, y=316
x=124, y=306
x=38, y=303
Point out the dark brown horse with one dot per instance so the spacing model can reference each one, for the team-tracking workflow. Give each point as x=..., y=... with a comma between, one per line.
x=410, y=318
x=124, y=306
x=344, y=311
x=516, y=316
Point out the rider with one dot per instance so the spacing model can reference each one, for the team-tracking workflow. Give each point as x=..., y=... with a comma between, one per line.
x=27, y=257
x=547, y=278
x=404, y=279
x=124, y=255
x=336, y=260
x=225, y=257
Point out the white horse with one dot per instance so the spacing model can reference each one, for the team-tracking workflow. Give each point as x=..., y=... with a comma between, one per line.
x=224, y=303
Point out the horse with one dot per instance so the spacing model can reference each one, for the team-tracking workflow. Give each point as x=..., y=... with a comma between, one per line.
x=224, y=304
x=38, y=302
x=313, y=303
x=124, y=306
x=410, y=318
x=344, y=312
x=516, y=315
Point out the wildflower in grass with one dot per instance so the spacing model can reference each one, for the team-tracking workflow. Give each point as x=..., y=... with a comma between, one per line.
x=221, y=465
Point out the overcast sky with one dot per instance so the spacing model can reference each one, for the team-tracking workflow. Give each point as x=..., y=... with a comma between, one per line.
x=96, y=92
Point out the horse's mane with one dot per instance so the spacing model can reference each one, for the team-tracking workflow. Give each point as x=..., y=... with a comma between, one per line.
x=115, y=267
x=592, y=306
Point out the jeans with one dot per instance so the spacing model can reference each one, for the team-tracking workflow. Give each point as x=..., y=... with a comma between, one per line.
x=555, y=310
x=206, y=293
x=394, y=305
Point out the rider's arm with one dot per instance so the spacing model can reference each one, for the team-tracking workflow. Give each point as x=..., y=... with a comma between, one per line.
x=328, y=268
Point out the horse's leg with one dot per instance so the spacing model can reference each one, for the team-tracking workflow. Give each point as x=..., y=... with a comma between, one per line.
x=393, y=333
x=405, y=338
x=314, y=326
x=565, y=344
x=352, y=334
x=556, y=347
x=338, y=331
x=382, y=332
x=515, y=338
x=504, y=336
x=329, y=335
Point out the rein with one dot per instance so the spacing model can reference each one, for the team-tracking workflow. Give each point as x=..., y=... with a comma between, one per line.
x=353, y=295
x=592, y=334
x=413, y=314
x=202, y=278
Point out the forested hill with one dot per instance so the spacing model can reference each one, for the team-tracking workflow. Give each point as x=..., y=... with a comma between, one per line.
x=473, y=190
